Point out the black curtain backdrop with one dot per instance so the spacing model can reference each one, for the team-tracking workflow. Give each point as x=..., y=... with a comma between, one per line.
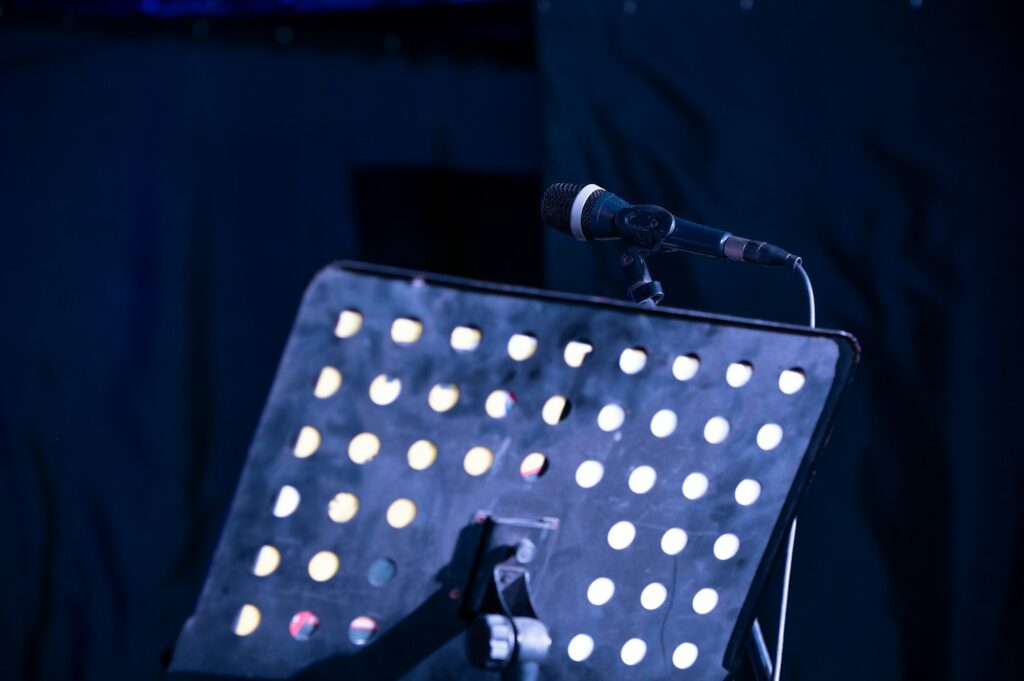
x=165, y=197
x=876, y=140
x=167, y=189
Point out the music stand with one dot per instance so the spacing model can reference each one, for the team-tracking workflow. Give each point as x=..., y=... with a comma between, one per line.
x=590, y=489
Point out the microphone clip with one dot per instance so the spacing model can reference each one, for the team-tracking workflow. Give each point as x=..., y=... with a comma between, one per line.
x=644, y=228
x=642, y=289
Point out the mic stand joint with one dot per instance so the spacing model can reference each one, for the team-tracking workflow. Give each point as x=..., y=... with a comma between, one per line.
x=640, y=287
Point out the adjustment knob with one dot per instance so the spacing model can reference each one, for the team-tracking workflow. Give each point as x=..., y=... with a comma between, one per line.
x=491, y=640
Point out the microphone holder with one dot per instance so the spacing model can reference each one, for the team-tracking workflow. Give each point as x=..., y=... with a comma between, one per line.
x=640, y=287
x=507, y=635
x=645, y=228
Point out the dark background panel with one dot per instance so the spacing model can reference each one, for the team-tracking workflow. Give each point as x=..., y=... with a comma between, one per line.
x=876, y=140
x=165, y=197
x=441, y=219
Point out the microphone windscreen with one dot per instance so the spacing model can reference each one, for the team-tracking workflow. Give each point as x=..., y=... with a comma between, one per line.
x=556, y=204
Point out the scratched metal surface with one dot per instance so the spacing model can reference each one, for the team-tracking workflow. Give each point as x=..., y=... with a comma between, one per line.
x=419, y=634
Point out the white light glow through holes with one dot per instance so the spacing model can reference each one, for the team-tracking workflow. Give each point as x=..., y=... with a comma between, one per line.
x=349, y=323
x=287, y=501
x=401, y=513
x=363, y=448
x=589, y=473
x=465, y=338
x=684, y=656
x=576, y=353
x=716, y=430
x=704, y=601
x=343, y=507
x=478, y=461
x=642, y=479
x=521, y=346
x=633, y=652
x=653, y=596
x=499, y=404
x=600, y=591
x=726, y=546
x=307, y=442
x=580, y=647
x=267, y=561
x=747, y=492
x=633, y=360
x=610, y=417
x=555, y=410
x=406, y=330
x=664, y=423
x=323, y=566
x=769, y=436
x=247, y=620
x=443, y=397
x=327, y=383
x=621, y=535
x=739, y=374
x=385, y=389
x=695, y=486
x=421, y=455
x=533, y=466
x=673, y=541
x=791, y=380
x=685, y=367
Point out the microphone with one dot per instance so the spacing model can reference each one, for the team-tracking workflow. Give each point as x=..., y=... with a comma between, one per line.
x=589, y=213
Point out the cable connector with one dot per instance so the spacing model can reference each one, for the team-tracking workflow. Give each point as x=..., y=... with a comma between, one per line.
x=759, y=253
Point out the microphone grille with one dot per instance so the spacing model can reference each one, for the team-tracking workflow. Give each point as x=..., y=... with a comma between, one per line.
x=556, y=204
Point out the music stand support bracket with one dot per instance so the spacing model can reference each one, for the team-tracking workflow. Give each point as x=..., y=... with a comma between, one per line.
x=507, y=635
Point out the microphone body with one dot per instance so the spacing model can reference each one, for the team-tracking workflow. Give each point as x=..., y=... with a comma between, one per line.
x=589, y=213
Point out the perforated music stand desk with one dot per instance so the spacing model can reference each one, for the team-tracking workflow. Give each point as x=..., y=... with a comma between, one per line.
x=651, y=521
